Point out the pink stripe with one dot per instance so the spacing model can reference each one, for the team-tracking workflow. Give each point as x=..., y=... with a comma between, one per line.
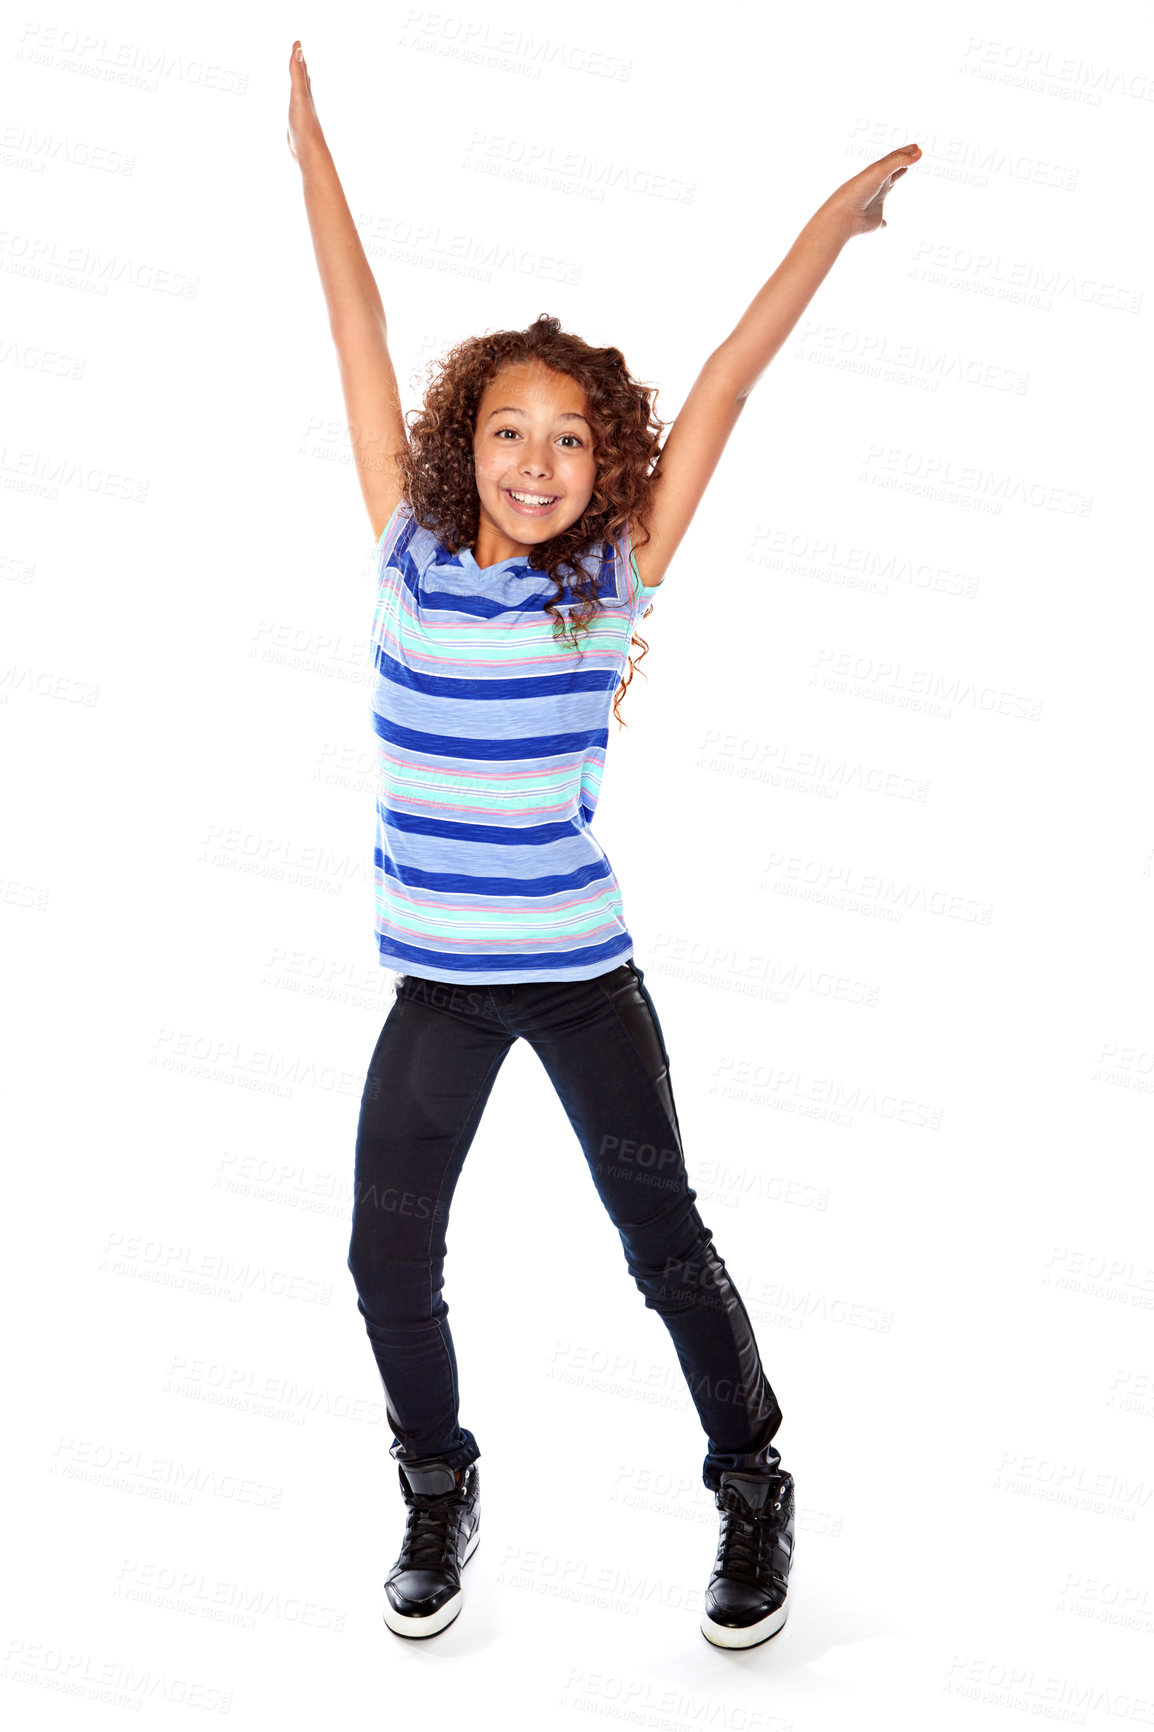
x=433, y=941
x=576, y=899
x=497, y=776
x=609, y=658
x=533, y=813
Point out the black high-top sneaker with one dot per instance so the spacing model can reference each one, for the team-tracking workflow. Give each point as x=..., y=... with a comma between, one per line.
x=746, y=1601
x=423, y=1588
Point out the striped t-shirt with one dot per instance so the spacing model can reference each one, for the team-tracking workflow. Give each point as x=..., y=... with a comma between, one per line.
x=491, y=737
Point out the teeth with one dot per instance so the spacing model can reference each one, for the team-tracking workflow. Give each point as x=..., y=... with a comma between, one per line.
x=533, y=498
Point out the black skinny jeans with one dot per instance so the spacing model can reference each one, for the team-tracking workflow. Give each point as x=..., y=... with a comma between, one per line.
x=430, y=1076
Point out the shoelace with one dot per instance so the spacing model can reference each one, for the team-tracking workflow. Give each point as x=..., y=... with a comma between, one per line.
x=743, y=1536
x=431, y=1531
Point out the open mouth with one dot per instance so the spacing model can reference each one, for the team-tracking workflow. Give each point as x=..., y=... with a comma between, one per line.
x=529, y=503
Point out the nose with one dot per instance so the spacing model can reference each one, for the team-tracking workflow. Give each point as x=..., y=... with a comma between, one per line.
x=536, y=457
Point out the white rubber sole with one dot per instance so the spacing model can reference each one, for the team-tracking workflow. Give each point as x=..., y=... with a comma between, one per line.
x=723, y=1636
x=434, y=1622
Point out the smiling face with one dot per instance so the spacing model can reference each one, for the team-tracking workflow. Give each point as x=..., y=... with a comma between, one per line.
x=531, y=443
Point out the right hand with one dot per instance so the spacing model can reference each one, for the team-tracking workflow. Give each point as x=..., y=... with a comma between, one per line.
x=303, y=123
x=859, y=202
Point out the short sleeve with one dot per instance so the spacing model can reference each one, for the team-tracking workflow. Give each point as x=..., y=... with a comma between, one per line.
x=640, y=594
x=389, y=535
x=386, y=571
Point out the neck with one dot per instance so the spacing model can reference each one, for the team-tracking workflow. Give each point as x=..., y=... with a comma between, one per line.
x=493, y=545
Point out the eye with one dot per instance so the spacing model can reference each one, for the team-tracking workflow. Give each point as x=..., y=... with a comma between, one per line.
x=576, y=440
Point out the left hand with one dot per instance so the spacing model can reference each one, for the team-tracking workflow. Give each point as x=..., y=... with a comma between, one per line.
x=858, y=204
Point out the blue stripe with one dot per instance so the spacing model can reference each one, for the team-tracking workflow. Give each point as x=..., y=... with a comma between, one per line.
x=471, y=685
x=483, y=606
x=478, y=606
x=610, y=952
x=453, y=831
x=472, y=884
x=453, y=746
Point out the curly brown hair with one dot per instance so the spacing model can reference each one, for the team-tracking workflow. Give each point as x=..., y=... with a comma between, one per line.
x=440, y=478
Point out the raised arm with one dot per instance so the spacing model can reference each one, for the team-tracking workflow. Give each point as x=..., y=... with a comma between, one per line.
x=356, y=316
x=711, y=410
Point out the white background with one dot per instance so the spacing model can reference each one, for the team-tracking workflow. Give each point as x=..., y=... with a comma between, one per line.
x=880, y=816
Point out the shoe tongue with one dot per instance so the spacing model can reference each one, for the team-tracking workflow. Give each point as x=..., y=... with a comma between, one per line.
x=429, y=1481
x=751, y=1489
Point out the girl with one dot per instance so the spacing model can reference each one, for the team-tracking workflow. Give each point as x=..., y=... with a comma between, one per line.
x=525, y=522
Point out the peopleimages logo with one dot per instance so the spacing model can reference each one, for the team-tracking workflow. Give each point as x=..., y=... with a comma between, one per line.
x=544, y=164
x=1066, y=76
x=476, y=40
x=118, y=62
x=460, y=253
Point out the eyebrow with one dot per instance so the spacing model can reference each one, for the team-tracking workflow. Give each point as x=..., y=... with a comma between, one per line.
x=511, y=409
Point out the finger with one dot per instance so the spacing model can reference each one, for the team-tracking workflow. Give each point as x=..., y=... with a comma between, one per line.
x=901, y=159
